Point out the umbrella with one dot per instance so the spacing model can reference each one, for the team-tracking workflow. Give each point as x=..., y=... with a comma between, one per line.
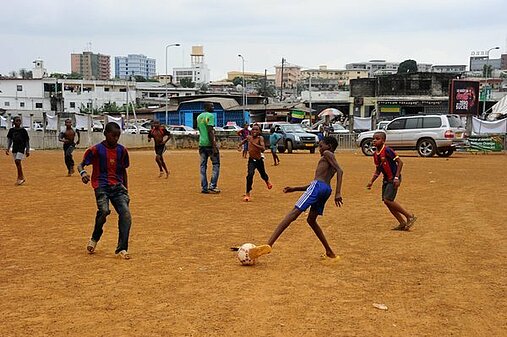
x=331, y=112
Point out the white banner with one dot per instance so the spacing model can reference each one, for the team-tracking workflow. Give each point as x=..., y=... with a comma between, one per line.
x=481, y=127
x=52, y=122
x=81, y=122
x=3, y=122
x=117, y=120
x=362, y=123
x=26, y=122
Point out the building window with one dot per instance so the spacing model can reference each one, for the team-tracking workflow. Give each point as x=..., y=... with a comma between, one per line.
x=7, y=104
x=38, y=105
x=72, y=104
x=21, y=104
x=106, y=89
x=19, y=87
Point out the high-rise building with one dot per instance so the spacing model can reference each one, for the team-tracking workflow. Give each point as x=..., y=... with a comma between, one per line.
x=91, y=66
x=134, y=65
x=198, y=72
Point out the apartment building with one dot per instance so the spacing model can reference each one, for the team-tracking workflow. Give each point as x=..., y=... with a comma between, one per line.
x=126, y=67
x=198, y=72
x=91, y=66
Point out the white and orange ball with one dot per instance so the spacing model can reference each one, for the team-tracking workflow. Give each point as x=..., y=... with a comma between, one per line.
x=244, y=254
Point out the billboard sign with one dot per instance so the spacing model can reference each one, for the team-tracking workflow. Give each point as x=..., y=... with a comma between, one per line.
x=464, y=97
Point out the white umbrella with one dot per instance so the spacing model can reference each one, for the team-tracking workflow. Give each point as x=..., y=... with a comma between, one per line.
x=331, y=112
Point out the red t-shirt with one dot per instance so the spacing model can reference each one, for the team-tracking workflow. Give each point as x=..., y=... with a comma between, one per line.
x=109, y=164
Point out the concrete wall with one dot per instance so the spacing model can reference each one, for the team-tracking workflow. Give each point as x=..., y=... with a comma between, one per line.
x=49, y=140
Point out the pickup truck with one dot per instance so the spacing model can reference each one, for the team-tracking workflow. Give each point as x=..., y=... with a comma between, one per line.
x=294, y=137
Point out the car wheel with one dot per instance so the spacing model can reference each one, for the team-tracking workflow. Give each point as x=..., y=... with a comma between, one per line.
x=281, y=149
x=367, y=147
x=426, y=147
x=289, y=146
x=445, y=152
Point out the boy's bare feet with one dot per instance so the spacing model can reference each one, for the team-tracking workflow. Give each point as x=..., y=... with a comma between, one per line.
x=410, y=222
x=269, y=185
x=161, y=174
x=401, y=227
x=259, y=251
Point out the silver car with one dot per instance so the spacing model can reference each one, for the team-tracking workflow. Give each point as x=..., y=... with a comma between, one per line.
x=428, y=134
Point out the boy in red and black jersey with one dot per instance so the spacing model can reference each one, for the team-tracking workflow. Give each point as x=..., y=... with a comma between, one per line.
x=389, y=164
x=110, y=161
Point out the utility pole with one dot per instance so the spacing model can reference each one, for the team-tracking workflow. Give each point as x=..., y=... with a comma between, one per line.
x=281, y=81
x=265, y=94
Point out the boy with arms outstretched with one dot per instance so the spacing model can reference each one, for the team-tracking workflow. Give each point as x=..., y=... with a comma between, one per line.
x=315, y=197
x=389, y=164
x=110, y=161
x=160, y=136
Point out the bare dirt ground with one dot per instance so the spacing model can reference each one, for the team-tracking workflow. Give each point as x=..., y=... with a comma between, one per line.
x=446, y=277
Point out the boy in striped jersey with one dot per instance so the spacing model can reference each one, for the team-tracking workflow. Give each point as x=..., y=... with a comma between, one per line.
x=110, y=161
x=315, y=197
x=389, y=164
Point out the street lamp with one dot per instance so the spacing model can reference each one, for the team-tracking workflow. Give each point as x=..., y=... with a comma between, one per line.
x=244, y=88
x=486, y=86
x=166, y=94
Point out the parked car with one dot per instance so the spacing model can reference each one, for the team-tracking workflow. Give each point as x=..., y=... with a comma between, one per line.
x=338, y=128
x=97, y=126
x=294, y=137
x=428, y=134
x=182, y=130
x=233, y=128
x=135, y=129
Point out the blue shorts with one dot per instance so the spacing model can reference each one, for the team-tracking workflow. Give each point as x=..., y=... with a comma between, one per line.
x=315, y=196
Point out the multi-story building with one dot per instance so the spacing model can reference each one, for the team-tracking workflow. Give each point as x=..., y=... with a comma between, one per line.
x=503, y=62
x=381, y=67
x=134, y=65
x=291, y=75
x=478, y=59
x=341, y=77
x=198, y=72
x=91, y=66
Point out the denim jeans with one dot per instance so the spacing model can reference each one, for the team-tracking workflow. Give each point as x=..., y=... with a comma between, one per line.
x=120, y=199
x=67, y=150
x=205, y=153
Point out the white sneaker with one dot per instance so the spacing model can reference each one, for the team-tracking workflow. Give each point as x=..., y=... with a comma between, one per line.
x=123, y=254
x=90, y=247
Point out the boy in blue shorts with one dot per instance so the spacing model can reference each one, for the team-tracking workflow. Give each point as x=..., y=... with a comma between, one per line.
x=110, y=161
x=389, y=164
x=315, y=197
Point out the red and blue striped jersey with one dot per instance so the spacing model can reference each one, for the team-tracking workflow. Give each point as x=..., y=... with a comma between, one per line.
x=385, y=160
x=109, y=164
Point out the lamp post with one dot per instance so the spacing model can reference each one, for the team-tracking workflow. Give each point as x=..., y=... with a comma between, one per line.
x=166, y=94
x=244, y=88
x=486, y=86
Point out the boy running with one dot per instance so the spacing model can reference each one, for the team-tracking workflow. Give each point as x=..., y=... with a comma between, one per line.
x=243, y=133
x=18, y=138
x=110, y=161
x=161, y=136
x=389, y=164
x=315, y=197
x=255, y=159
x=67, y=137
x=274, y=138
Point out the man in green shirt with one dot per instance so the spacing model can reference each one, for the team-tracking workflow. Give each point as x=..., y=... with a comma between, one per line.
x=208, y=149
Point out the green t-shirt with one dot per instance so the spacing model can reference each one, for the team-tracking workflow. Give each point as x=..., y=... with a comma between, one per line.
x=203, y=120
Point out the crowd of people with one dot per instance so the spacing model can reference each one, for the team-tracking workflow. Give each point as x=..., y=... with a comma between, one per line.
x=110, y=161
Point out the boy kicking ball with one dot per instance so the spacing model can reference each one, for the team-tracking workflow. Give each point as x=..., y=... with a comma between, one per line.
x=315, y=197
x=389, y=164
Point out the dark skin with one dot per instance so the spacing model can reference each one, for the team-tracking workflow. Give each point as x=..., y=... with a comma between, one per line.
x=252, y=140
x=394, y=207
x=211, y=131
x=19, y=168
x=112, y=138
x=326, y=169
x=160, y=139
x=69, y=134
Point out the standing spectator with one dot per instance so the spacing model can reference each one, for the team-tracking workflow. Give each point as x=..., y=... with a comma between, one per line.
x=208, y=148
x=18, y=138
x=68, y=137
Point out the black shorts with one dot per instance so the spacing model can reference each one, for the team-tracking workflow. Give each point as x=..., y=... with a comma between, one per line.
x=388, y=191
x=159, y=149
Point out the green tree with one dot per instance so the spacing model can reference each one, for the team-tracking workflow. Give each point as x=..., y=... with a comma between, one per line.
x=407, y=66
x=237, y=80
x=187, y=83
x=486, y=70
x=264, y=89
x=25, y=74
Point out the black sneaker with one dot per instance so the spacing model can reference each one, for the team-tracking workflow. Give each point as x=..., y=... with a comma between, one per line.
x=205, y=191
x=214, y=190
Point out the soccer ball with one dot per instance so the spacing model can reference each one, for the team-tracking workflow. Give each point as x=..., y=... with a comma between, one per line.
x=244, y=254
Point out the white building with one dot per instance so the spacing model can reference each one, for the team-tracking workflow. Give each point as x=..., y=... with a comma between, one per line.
x=382, y=67
x=198, y=72
x=36, y=96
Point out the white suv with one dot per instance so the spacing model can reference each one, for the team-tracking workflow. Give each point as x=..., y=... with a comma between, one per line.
x=428, y=134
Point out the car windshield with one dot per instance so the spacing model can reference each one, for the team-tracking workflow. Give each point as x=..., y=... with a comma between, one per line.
x=338, y=127
x=293, y=128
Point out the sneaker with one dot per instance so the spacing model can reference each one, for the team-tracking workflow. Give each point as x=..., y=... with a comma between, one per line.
x=259, y=251
x=91, y=246
x=400, y=227
x=204, y=191
x=269, y=185
x=123, y=254
x=214, y=190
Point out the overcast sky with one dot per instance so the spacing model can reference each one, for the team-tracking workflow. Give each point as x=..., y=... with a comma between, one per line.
x=308, y=33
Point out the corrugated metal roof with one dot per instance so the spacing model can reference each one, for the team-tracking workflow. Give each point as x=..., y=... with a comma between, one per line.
x=226, y=103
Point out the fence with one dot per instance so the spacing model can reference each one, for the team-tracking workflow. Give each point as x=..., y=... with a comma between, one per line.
x=346, y=141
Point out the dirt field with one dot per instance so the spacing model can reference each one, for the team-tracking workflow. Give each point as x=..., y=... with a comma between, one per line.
x=447, y=277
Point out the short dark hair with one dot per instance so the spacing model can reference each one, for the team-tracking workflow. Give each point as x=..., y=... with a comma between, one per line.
x=111, y=126
x=381, y=133
x=331, y=141
x=208, y=105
